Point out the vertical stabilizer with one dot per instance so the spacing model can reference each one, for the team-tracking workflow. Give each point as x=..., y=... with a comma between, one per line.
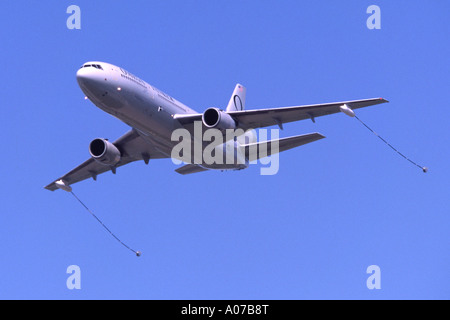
x=237, y=100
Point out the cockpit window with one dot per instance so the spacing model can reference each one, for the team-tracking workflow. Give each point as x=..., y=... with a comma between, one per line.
x=96, y=66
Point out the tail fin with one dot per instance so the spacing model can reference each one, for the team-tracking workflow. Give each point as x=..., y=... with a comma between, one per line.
x=237, y=100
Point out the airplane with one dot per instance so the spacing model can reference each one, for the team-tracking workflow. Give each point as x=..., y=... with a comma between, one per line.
x=154, y=115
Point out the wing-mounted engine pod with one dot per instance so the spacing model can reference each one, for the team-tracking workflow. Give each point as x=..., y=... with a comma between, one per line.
x=104, y=152
x=215, y=118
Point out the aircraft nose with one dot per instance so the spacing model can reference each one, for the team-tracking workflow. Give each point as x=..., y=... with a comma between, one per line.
x=95, y=81
x=83, y=75
x=90, y=75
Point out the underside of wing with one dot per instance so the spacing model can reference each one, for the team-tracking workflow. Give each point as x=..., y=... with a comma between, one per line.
x=132, y=147
x=251, y=119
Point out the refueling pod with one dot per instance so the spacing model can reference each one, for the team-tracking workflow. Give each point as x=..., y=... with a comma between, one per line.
x=347, y=110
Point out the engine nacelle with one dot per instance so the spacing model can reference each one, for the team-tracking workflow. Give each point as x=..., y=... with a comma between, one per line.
x=104, y=152
x=215, y=118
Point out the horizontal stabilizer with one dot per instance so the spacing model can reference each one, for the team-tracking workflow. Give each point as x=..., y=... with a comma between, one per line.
x=190, y=168
x=255, y=151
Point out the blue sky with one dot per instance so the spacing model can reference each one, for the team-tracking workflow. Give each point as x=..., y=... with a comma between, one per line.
x=335, y=207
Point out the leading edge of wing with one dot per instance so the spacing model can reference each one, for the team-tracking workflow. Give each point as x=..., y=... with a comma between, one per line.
x=354, y=103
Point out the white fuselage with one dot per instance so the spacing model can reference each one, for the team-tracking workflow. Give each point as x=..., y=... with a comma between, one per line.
x=142, y=106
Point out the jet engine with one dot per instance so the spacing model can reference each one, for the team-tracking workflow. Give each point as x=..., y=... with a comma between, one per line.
x=104, y=152
x=215, y=118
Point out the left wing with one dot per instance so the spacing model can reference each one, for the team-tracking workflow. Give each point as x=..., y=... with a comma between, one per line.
x=252, y=119
x=132, y=148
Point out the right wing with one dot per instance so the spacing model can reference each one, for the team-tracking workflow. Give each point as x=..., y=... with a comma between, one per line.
x=132, y=148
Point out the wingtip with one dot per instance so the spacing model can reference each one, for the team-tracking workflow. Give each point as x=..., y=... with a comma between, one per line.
x=51, y=187
x=318, y=135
